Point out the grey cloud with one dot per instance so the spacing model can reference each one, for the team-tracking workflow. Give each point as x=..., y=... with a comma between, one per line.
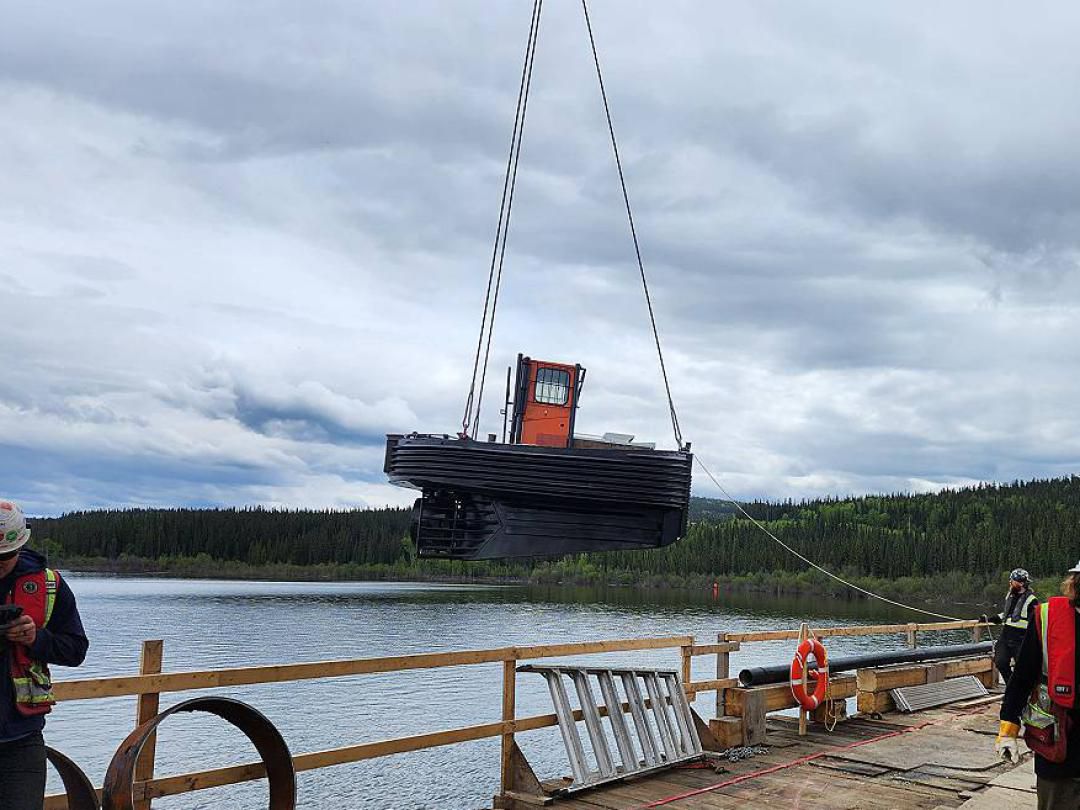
x=243, y=242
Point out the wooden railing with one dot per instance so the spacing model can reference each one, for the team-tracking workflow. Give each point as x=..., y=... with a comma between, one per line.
x=150, y=683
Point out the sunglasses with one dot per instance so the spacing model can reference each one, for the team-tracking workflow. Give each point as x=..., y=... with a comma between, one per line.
x=11, y=555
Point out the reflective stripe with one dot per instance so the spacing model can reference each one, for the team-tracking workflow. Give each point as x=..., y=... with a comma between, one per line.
x=50, y=593
x=1044, y=615
x=1022, y=623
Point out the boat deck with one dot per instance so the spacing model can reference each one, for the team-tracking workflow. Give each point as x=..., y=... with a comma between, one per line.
x=939, y=758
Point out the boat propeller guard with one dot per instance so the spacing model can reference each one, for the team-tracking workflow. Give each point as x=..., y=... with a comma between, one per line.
x=80, y=791
x=117, y=793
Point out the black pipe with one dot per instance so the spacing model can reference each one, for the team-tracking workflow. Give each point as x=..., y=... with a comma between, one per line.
x=758, y=676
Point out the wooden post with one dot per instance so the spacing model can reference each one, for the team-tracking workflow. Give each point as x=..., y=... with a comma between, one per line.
x=912, y=629
x=509, y=710
x=804, y=634
x=723, y=668
x=754, y=717
x=148, y=706
x=976, y=633
x=686, y=672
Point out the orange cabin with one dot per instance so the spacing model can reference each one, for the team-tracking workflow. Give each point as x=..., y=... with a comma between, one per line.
x=545, y=402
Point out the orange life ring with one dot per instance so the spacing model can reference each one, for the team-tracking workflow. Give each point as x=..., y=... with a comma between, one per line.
x=820, y=679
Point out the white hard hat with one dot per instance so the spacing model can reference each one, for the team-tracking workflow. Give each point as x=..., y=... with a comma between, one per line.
x=13, y=531
x=1075, y=569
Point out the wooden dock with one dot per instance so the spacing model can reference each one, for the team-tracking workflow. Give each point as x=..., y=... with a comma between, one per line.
x=934, y=759
x=940, y=758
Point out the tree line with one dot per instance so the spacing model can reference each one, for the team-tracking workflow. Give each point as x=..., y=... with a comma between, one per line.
x=983, y=530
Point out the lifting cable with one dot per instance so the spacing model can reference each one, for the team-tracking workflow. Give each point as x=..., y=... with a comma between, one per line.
x=470, y=422
x=473, y=401
x=633, y=231
x=810, y=562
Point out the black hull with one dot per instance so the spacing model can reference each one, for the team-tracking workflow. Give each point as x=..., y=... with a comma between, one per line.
x=487, y=500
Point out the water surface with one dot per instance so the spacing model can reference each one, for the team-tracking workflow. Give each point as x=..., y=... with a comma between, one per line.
x=208, y=624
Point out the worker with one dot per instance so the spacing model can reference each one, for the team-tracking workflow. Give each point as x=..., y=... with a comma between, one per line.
x=48, y=631
x=1020, y=601
x=1042, y=693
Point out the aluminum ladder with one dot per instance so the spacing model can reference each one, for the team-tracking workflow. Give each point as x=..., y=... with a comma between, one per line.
x=662, y=721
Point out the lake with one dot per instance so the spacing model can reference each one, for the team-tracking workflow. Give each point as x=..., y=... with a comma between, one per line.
x=208, y=624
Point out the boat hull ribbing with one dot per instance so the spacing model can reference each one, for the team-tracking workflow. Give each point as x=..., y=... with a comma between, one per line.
x=487, y=500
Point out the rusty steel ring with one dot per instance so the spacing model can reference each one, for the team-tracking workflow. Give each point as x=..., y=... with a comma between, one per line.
x=80, y=791
x=118, y=789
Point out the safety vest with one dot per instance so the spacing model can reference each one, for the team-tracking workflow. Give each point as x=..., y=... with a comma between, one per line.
x=1056, y=623
x=1018, y=617
x=36, y=593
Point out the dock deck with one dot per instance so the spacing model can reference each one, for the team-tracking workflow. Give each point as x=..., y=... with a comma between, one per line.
x=940, y=758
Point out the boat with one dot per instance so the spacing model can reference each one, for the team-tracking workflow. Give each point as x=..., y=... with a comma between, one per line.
x=541, y=491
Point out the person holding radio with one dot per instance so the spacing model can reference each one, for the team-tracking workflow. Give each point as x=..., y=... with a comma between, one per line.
x=39, y=625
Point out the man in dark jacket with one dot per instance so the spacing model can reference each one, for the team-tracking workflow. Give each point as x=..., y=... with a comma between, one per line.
x=29, y=645
x=1016, y=616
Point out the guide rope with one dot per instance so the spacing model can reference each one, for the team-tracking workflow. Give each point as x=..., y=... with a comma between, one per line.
x=810, y=562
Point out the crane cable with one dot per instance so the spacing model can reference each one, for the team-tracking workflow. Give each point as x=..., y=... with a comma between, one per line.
x=810, y=562
x=633, y=231
x=470, y=422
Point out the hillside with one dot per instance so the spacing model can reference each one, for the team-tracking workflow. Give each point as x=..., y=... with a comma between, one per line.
x=974, y=535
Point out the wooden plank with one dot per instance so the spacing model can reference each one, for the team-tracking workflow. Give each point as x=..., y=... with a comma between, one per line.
x=723, y=671
x=712, y=686
x=754, y=719
x=509, y=708
x=857, y=630
x=276, y=673
x=727, y=730
x=778, y=695
x=148, y=707
x=880, y=679
x=591, y=647
x=967, y=666
x=874, y=702
x=711, y=649
x=804, y=634
x=218, y=777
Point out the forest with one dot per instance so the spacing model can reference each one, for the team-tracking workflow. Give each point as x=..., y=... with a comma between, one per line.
x=974, y=535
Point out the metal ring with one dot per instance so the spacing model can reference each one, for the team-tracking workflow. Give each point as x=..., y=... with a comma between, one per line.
x=80, y=791
x=118, y=789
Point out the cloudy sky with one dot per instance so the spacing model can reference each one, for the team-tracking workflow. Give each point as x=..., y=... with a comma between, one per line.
x=240, y=242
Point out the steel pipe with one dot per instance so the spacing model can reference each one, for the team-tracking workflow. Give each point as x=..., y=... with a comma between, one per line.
x=759, y=676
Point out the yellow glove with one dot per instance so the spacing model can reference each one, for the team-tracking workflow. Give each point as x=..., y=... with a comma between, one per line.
x=1006, y=745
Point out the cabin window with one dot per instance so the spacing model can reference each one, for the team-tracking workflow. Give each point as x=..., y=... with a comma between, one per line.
x=552, y=386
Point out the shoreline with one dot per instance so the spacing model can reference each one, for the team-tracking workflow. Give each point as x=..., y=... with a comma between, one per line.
x=943, y=588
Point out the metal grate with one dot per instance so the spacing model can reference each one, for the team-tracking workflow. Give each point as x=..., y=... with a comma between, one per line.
x=928, y=695
x=660, y=733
